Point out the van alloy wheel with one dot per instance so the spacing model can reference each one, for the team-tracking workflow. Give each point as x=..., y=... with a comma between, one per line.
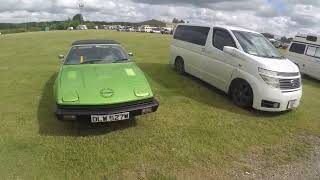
x=242, y=95
x=179, y=66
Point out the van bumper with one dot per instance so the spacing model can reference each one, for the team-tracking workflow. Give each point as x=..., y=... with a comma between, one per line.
x=264, y=101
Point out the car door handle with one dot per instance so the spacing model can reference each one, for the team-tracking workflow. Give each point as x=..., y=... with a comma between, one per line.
x=203, y=50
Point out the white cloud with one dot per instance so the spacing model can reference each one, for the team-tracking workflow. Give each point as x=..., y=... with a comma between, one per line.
x=282, y=17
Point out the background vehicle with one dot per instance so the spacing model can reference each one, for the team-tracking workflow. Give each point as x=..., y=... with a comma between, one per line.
x=148, y=29
x=305, y=52
x=240, y=62
x=156, y=30
x=166, y=30
x=82, y=27
x=98, y=80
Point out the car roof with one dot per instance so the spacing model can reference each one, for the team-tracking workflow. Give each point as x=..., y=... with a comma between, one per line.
x=94, y=41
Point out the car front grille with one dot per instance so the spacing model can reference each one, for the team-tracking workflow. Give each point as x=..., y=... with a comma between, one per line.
x=289, y=84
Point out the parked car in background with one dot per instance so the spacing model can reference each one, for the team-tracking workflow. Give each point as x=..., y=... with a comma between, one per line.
x=275, y=43
x=284, y=45
x=98, y=81
x=305, y=52
x=70, y=28
x=156, y=30
x=132, y=29
x=166, y=30
x=81, y=27
x=240, y=62
x=148, y=29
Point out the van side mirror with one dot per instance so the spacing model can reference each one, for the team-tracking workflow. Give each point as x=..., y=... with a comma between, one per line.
x=130, y=54
x=61, y=57
x=230, y=50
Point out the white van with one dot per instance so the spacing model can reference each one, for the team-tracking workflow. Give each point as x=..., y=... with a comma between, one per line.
x=240, y=62
x=305, y=52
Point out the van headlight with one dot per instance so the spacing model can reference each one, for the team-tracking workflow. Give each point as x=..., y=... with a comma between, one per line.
x=267, y=76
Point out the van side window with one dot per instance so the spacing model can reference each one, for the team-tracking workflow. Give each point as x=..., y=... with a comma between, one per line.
x=192, y=34
x=313, y=51
x=222, y=38
x=297, y=48
x=318, y=52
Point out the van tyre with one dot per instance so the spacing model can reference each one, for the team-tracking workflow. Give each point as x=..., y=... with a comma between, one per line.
x=179, y=65
x=242, y=94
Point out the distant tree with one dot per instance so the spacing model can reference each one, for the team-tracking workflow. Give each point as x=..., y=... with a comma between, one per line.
x=175, y=20
x=78, y=18
x=181, y=21
x=284, y=39
x=268, y=35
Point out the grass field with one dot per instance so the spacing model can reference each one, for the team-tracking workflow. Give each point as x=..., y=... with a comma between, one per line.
x=197, y=132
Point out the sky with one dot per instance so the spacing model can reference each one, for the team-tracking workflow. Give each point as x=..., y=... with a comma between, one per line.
x=281, y=17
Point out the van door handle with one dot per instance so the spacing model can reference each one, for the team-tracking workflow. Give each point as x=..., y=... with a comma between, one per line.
x=203, y=50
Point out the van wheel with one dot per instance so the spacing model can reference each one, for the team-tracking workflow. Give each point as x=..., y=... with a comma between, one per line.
x=242, y=94
x=179, y=65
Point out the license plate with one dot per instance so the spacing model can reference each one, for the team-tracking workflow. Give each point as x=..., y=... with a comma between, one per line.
x=291, y=104
x=109, y=118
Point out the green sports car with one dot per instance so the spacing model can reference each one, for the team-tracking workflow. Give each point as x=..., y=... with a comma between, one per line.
x=98, y=81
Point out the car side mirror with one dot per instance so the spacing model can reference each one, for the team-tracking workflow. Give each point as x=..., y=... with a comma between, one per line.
x=230, y=50
x=130, y=54
x=61, y=57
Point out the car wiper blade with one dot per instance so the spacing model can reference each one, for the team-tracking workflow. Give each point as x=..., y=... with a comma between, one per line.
x=85, y=62
x=120, y=60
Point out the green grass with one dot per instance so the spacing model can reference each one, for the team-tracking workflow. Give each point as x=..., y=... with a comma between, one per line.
x=197, y=132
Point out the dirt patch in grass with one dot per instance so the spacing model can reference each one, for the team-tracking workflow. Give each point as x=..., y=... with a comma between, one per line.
x=295, y=161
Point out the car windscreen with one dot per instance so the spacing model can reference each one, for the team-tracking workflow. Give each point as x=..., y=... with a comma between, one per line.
x=256, y=44
x=95, y=54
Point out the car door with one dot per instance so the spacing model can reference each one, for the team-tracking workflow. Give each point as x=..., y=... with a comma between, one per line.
x=218, y=64
x=312, y=63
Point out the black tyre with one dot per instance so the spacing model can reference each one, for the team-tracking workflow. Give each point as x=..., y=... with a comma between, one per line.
x=179, y=65
x=242, y=94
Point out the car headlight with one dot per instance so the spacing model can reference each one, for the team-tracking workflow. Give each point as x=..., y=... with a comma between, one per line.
x=267, y=76
x=267, y=72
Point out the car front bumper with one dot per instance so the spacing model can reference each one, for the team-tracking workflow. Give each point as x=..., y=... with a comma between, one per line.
x=135, y=108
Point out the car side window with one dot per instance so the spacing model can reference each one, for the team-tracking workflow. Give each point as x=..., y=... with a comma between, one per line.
x=222, y=38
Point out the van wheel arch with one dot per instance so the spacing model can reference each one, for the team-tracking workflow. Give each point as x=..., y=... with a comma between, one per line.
x=241, y=93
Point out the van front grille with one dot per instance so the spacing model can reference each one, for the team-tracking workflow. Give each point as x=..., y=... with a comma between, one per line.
x=288, y=84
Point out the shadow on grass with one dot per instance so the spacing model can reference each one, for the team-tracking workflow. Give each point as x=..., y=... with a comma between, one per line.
x=50, y=126
x=194, y=88
x=311, y=81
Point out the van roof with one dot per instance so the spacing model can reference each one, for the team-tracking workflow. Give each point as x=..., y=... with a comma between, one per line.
x=231, y=28
x=307, y=39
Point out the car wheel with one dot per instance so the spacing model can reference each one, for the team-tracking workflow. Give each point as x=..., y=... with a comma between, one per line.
x=179, y=65
x=242, y=94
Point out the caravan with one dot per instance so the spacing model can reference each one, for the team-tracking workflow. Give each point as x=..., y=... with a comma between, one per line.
x=305, y=52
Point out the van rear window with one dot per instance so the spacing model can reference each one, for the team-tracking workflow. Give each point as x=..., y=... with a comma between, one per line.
x=297, y=48
x=192, y=34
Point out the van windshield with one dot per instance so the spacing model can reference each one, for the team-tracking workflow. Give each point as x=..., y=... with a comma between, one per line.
x=256, y=44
